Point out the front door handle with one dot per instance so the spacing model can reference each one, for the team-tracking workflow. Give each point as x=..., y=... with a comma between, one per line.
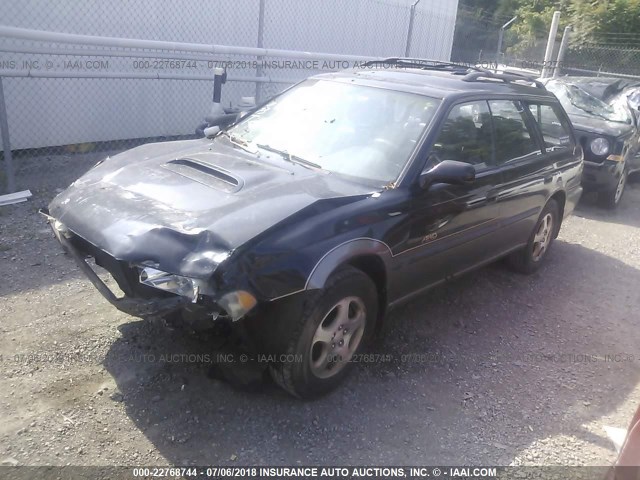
x=478, y=202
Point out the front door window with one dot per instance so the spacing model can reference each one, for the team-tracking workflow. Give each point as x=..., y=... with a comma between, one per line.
x=466, y=136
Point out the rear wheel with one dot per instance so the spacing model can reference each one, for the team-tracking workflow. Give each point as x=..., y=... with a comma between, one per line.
x=318, y=345
x=529, y=259
x=611, y=199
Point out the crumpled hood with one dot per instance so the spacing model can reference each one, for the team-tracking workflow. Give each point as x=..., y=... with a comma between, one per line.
x=593, y=124
x=188, y=205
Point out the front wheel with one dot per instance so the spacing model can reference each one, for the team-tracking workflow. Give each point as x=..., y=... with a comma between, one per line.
x=335, y=325
x=611, y=199
x=529, y=259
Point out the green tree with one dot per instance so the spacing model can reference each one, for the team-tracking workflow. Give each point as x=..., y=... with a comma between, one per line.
x=593, y=21
x=614, y=21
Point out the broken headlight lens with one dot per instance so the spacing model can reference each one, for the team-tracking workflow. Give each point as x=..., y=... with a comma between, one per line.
x=61, y=228
x=183, y=286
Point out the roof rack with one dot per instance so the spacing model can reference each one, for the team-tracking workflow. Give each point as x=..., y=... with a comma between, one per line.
x=505, y=77
x=421, y=63
x=472, y=73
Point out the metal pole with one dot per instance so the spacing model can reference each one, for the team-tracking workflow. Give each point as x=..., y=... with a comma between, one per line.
x=260, y=45
x=137, y=75
x=412, y=14
x=563, y=50
x=218, y=80
x=499, y=50
x=500, y=37
x=6, y=145
x=86, y=40
x=547, y=69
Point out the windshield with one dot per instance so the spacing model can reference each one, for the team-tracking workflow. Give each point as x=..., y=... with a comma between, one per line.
x=363, y=132
x=632, y=97
x=576, y=100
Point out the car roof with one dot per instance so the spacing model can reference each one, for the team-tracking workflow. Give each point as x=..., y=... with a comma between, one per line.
x=434, y=83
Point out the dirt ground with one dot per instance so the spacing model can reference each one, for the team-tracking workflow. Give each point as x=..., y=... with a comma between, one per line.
x=495, y=368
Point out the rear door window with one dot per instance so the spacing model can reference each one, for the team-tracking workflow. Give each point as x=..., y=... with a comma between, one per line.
x=553, y=126
x=514, y=138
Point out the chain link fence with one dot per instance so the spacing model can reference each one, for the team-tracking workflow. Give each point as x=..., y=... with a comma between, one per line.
x=77, y=99
x=478, y=40
x=475, y=39
x=596, y=59
x=477, y=36
x=73, y=101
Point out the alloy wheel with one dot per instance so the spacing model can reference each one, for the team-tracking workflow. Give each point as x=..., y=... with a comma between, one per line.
x=337, y=337
x=620, y=187
x=542, y=238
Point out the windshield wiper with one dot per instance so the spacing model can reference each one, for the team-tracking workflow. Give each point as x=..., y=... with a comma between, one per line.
x=238, y=142
x=291, y=158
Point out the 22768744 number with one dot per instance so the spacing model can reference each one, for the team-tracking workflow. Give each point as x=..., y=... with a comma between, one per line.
x=169, y=472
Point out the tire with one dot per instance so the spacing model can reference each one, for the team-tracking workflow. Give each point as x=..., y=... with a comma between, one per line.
x=612, y=198
x=530, y=258
x=316, y=360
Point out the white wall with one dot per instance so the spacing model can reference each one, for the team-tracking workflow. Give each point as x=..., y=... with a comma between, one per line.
x=45, y=112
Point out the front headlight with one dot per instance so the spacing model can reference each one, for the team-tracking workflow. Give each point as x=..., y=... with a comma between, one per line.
x=599, y=146
x=183, y=286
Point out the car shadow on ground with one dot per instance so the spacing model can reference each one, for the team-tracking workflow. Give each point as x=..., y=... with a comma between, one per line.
x=471, y=363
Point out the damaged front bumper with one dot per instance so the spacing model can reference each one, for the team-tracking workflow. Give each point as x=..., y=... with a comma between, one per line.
x=233, y=304
x=133, y=306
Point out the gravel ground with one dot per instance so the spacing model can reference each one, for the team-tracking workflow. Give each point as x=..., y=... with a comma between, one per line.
x=495, y=368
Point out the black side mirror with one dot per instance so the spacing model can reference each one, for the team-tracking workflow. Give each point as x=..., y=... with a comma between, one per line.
x=448, y=171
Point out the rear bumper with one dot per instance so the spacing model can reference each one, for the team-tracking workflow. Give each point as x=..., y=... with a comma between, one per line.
x=603, y=176
x=137, y=307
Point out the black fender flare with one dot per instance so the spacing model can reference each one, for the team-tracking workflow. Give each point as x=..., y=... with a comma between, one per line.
x=341, y=254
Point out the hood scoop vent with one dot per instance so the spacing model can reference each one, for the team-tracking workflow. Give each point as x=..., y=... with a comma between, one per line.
x=209, y=175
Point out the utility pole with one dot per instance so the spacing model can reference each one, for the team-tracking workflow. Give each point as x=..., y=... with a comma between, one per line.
x=500, y=37
x=563, y=50
x=6, y=145
x=547, y=68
